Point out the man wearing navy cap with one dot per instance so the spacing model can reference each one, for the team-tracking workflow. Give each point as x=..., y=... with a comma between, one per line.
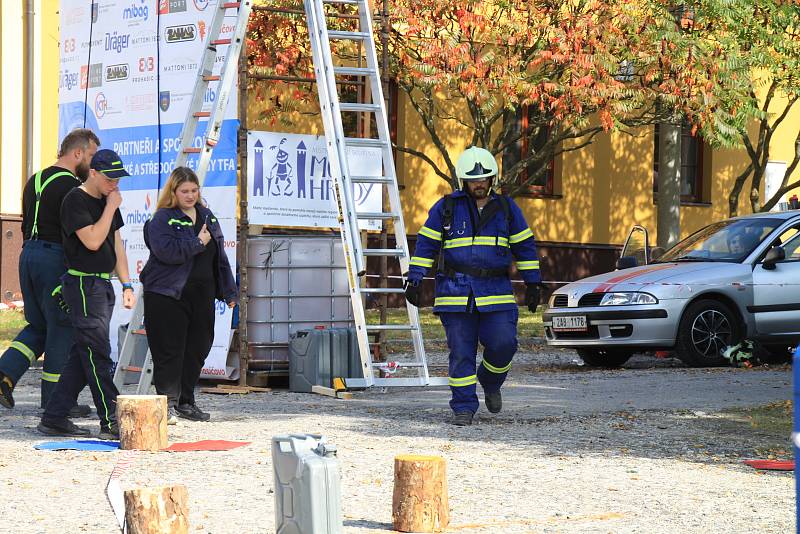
x=93, y=248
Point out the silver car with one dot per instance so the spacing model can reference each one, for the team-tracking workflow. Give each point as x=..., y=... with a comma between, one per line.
x=732, y=280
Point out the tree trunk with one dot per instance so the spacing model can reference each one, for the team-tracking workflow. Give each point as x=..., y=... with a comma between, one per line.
x=669, y=188
x=142, y=422
x=163, y=510
x=420, y=502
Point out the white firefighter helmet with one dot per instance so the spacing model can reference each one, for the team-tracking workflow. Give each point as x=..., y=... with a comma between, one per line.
x=475, y=163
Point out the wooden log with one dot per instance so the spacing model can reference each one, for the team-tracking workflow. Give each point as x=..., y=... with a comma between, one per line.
x=162, y=510
x=419, y=503
x=142, y=422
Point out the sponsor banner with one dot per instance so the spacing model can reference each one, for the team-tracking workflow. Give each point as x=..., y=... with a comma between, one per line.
x=127, y=70
x=290, y=183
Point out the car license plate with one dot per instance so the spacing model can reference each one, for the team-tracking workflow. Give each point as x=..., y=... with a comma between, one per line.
x=573, y=323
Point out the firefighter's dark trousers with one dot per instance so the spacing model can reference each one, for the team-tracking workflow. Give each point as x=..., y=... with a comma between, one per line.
x=91, y=301
x=41, y=265
x=497, y=332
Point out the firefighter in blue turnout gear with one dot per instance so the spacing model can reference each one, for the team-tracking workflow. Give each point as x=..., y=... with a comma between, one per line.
x=471, y=237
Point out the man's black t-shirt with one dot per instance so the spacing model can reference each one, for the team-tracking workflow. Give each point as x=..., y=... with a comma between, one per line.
x=79, y=210
x=49, y=224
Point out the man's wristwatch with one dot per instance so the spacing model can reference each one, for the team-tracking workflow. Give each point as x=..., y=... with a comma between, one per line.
x=126, y=286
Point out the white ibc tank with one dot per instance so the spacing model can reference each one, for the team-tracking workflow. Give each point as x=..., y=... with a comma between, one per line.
x=307, y=491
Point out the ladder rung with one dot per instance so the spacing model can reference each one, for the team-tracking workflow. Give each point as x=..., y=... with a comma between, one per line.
x=351, y=2
x=133, y=369
x=230, y=5
x=384, y=290
x=355, y=106
x=385, y=327
x=353, y=71
x=192, y=150
x=211, y=78
x=371, y=180
x=364, y=141
x=383, y=252
x=355, y=36
x=220, y=42
x=401, y=382
x=200, y=114
x=383, y=365
x=377, y=215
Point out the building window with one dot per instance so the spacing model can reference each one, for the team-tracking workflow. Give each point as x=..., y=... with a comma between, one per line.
x=691, y=164
x=542, y=184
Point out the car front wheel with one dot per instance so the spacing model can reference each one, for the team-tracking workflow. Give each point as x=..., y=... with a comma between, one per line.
x=706, y=329
x=607, y=358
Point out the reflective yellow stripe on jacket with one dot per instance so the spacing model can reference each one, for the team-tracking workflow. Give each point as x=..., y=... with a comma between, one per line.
x=481, y=240
x=495, y=299
x=432, y=234
x=450, y=301
x=527, y=265
x=421, y=262
x=521, y=236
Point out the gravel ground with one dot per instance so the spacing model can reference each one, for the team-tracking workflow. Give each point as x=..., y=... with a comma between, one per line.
x=574, y=450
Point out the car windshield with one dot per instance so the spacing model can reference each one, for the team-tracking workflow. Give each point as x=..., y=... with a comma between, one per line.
x=728, y=241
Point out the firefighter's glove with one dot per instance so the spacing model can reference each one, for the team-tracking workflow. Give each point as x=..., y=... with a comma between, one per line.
x=532, y=295
x=412, y=291
x=58, y=296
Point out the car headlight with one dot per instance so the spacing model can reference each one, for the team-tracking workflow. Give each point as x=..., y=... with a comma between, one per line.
x=627, y=299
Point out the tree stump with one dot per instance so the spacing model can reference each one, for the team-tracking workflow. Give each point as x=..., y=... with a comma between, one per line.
x=163, y=510
x=419, y=503
x=142, y=422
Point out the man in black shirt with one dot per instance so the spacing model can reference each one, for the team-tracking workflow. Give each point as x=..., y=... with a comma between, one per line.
x=93, y=248
x=41, y=265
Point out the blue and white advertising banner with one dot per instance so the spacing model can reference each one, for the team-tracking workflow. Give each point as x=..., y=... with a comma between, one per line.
x=290, y=183
x=128, y=69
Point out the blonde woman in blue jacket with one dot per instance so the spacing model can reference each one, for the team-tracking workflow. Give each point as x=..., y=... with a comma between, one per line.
x=186, y=272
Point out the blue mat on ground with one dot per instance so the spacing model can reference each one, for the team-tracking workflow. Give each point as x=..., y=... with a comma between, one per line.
x=94, y=445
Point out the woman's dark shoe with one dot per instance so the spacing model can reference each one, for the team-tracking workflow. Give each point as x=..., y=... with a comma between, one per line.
x=192, y=412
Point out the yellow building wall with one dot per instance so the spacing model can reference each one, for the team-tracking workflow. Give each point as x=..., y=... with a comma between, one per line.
x=15, y=107
x=12, y=105
x=600, y=191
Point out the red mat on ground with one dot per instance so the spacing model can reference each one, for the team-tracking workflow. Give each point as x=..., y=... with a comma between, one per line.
x=772, y=465
x=206, y=445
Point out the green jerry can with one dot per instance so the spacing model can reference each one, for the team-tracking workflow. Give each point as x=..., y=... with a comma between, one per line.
x=307, y=489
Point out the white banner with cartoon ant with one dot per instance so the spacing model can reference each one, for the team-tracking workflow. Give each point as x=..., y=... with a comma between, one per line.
x=290, y=184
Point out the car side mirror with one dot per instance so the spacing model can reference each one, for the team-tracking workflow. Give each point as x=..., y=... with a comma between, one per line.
x=626, y=262
x=774, y=255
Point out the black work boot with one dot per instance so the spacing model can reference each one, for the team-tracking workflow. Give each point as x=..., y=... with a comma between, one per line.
x=462, y=418
x=109, y=433
x=6, y=387
x=493, y=401
x=79, y=410
x=61, y=427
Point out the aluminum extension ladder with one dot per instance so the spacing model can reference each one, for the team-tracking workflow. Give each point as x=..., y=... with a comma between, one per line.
x=205, y=75
x=355, y=254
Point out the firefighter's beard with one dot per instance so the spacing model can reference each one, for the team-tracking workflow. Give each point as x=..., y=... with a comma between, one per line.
x=479, y=191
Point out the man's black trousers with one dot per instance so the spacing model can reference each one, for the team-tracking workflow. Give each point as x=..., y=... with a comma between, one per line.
x=91, y=302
